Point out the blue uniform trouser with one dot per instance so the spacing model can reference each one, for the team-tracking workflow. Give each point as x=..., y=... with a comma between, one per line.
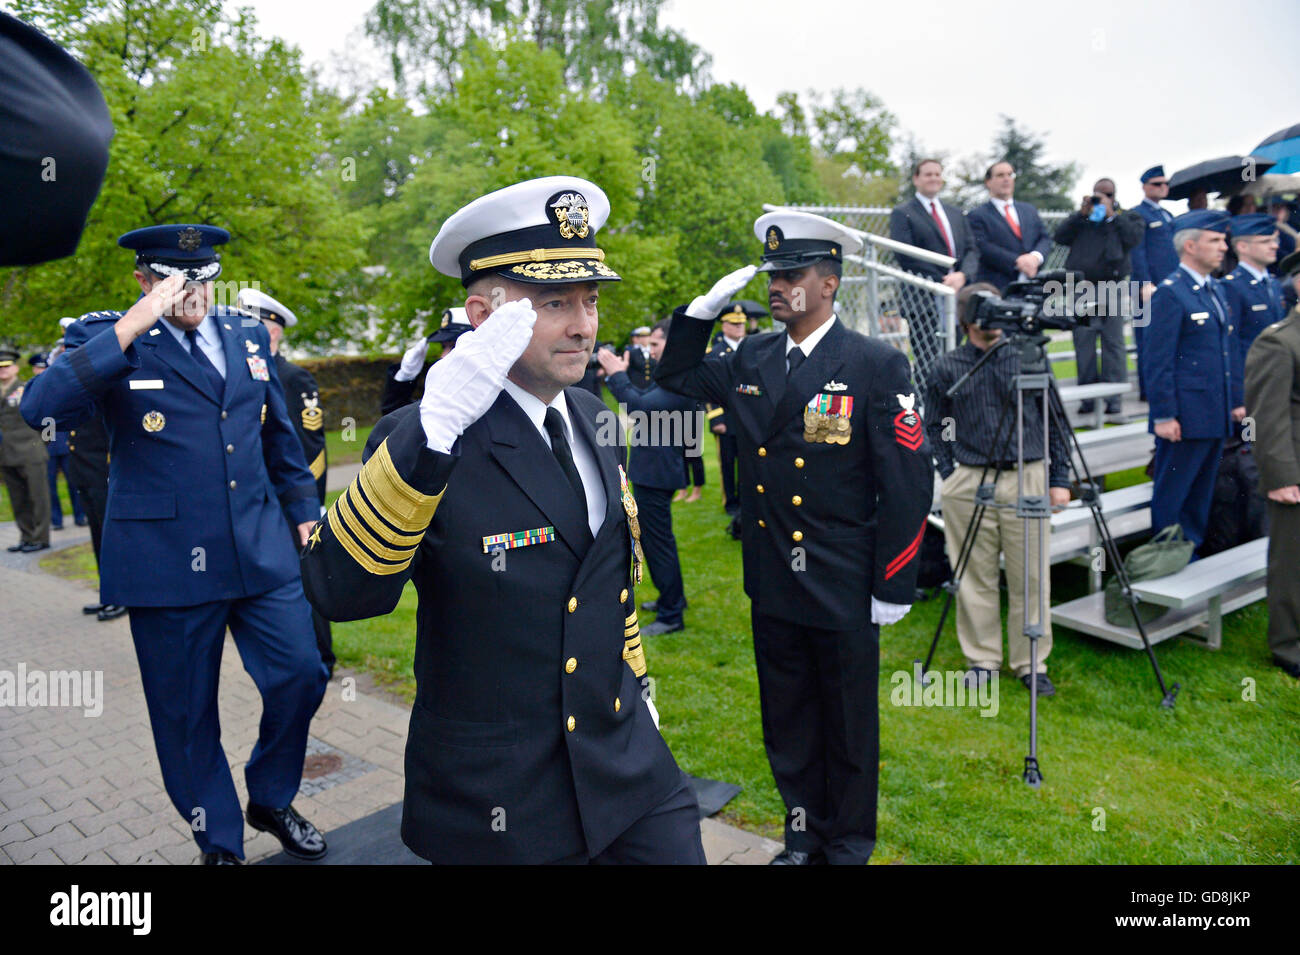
x=60, y=462
x=179, y=649
x=1184, y=484
x=656, y=517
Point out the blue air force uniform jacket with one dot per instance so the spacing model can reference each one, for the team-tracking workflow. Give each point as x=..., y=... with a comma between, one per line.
x=528, y=739
x=1188, y=358
x=855, y=509
x=1154, y=257
x=199, y=484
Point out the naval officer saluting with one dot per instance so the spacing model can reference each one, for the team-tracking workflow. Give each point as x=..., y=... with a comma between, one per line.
x=204, y=467
x=835, y=485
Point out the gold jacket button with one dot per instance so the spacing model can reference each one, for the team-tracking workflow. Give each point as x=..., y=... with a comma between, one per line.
x=761, y=489
x=570, y=664
x=573, y=604
x=618, y=705
x=798, y=536
x=622, y=596
x=796, y=500
x=572, y=724
x=762, y=452
x=762, y=523
x=798, y=462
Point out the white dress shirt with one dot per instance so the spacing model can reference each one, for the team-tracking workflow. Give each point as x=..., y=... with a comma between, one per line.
x=209, y=340
x=732, y=343
x=943, y=216
x=809, y=343
x=584, y=457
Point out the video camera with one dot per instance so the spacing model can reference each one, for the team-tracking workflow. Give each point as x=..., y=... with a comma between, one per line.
x=1024, y=306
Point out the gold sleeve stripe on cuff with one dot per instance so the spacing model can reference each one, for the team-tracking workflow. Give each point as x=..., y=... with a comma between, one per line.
x=317, y=467
x=396, y=501
x=366, y=511
x=635, y=658
x=716, y=413
x=357, y=552
x=367, y=535
x=631, y=620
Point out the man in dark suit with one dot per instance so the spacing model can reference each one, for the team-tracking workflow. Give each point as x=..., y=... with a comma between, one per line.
x=929, y=223
x=1013, y=243
x=503, y=497
x=835, y=487
x=655, y=467
x=1193, y=393
x=200, y=484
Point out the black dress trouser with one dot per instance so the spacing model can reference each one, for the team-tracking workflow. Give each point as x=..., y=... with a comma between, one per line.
x=821, y=728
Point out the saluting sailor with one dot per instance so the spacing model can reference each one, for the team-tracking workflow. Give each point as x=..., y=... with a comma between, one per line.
x=835, y=480
x=204, y=467
x=503, y=496
x=302, y=401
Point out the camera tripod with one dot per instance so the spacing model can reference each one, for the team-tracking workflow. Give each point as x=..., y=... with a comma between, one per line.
x=1036, y=509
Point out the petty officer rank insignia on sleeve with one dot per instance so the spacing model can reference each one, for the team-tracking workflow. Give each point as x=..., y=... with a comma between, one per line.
x=907, y=424
x=257, y=368
x=633, y=524
x=313, y=419
x=826, y=419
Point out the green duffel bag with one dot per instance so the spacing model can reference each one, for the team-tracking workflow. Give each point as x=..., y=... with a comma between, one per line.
x=1166, y=553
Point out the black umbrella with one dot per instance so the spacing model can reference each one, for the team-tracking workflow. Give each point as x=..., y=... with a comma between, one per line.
x=1226, y=174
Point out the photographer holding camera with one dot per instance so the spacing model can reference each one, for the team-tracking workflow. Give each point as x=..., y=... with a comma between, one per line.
x=1101, y=237
x=964, y=433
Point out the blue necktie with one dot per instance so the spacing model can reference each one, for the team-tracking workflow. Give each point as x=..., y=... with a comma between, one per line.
x=210, y=370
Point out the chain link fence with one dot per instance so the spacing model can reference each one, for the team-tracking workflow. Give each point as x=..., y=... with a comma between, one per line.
x=880, y=299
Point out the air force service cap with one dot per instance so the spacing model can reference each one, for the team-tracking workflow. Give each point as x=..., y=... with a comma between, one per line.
x=169, y=249
x=794, y=240
x=455, y=322
x=1253, y=223
x=1155, y=172
x=539, y=232
x=260, y=305
x=1207, y=220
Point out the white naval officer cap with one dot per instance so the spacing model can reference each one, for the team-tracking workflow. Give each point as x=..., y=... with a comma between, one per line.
x=260, y=305
x=794, y=240
x=539, y=232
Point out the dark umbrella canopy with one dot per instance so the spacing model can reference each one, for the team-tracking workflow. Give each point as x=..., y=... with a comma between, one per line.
x=1225, y=174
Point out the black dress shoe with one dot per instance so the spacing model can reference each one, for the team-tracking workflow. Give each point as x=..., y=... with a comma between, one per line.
x=658, y=629
x=33, y=548
x=1045, y=687
x=92, y=608
x=110, y=612
x=82, y=521
x=56, y=527
x=299, y=837
x=795, y=857
x=220, y=858
x=16, y=548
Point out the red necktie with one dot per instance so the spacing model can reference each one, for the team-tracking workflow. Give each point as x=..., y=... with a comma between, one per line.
x=1006, y=211
x=934, y=211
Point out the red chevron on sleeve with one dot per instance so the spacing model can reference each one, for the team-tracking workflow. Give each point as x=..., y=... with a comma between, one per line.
x=908, y=430
x=910, y=551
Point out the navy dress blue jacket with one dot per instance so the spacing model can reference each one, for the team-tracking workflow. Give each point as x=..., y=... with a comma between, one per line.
x=199, y=484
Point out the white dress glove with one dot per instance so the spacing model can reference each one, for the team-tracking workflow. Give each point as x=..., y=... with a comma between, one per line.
x=883, y=614
x=462, y=386
x=412, y=361
x=709, y=305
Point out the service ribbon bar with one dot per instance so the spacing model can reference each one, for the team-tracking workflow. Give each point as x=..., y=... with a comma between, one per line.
x=513, y=539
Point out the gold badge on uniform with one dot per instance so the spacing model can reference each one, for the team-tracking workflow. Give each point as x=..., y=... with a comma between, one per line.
x=263, y=414
x=313, y=419
x=826, y=418
x=633, y=524
x=251, y=346
x=154, y=421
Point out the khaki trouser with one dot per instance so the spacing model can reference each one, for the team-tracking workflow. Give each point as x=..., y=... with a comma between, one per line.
x=29, y=494
x=979, y=615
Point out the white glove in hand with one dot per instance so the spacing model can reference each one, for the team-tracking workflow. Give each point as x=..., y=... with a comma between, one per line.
x=463, y=385
x=412, y=361
x=709, y=305
x=883, y=614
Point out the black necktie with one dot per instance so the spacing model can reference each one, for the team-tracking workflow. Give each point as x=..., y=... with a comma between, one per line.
x=795, y=357
x=564, y=455
x=214, y=377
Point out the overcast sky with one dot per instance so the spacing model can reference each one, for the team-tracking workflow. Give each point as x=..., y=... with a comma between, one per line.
x=1116, y=86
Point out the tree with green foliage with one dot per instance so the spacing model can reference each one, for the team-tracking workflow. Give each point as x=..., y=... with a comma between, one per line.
x=1043, y=185
x=214, y=125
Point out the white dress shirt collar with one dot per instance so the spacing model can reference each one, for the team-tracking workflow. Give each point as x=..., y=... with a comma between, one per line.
x=809, y=343
x=1255, y=273
x=1200, y=279
x=536, y=411
x=208, y=334
x=732, y=343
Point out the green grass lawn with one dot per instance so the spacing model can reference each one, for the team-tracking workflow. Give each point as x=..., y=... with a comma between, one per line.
x=1216, y=780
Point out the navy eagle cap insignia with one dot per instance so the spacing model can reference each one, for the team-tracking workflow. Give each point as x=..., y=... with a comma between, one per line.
x=572, y=215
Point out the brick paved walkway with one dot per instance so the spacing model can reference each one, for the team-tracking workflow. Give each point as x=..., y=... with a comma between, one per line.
x=86, y=789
